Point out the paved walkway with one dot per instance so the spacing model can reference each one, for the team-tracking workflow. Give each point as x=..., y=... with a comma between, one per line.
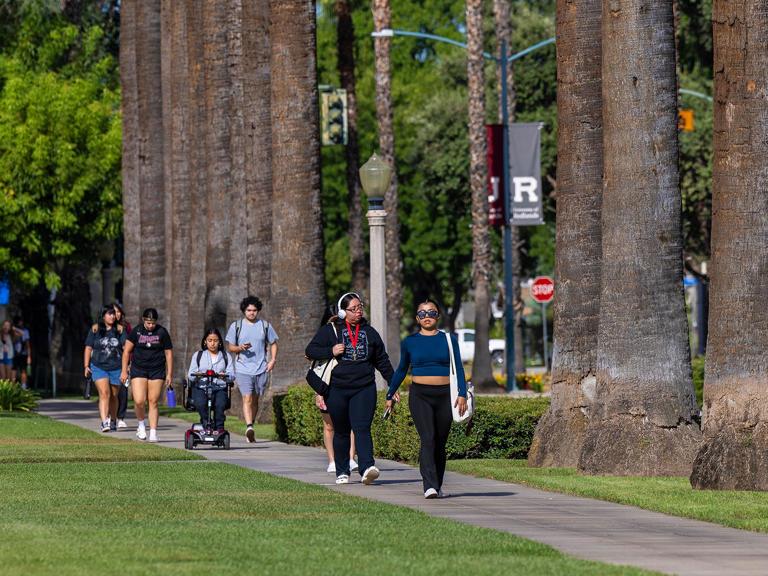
x=581, y=527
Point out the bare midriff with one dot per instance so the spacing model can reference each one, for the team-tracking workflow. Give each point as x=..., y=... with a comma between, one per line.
x=431, y=380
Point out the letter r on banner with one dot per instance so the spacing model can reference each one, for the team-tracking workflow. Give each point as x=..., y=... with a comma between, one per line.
x=525, y=185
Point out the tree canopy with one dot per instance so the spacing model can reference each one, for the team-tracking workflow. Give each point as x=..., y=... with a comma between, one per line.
x=60, y=143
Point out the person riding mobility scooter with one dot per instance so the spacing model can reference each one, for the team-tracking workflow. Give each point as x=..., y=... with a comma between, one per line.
x=207, y=389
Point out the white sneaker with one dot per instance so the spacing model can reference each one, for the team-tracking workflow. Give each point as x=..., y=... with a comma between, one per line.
x=370, y=475
x=343, y=479
x=430, y=493
x=141, y=432
x=152, y=435
x=122, y=424
x=352, y=465
x=331, y=467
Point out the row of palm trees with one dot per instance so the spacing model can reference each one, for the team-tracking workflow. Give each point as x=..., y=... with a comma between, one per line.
x=221, y=175
x=622, y=397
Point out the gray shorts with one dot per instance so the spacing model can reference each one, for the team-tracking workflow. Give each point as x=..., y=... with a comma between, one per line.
x=252, y=383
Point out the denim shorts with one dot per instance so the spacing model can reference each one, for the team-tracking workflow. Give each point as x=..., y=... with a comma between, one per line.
x=252, y=383
x=99, y=374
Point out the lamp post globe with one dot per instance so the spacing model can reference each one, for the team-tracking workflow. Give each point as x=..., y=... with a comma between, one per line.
x=375, y=176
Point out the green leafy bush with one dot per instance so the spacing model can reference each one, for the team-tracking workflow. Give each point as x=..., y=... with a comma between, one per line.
x=14, y=398
x=502, y=427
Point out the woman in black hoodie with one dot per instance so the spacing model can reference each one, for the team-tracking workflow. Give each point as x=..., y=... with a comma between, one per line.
x=351, y=397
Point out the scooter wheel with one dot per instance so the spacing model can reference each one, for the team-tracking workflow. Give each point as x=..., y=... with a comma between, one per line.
x=225, y=444
x=189, y=442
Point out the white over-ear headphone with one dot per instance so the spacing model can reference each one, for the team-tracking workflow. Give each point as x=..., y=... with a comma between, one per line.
x=343, y=313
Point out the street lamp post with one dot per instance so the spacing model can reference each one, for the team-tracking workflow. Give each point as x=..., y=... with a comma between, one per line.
x=374, y=177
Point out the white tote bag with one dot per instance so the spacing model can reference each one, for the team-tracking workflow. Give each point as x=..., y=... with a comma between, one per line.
x=323, y=369
x=455, y=388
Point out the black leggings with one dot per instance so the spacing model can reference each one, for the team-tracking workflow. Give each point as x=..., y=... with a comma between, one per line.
x=431, y=411
x=122, y=402
x=352, y=409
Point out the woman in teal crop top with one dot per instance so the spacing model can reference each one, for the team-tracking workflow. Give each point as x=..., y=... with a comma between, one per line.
x=429, y=398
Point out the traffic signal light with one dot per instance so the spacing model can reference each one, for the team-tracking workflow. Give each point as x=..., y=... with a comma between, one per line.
x=333, y=111
x=685, y=120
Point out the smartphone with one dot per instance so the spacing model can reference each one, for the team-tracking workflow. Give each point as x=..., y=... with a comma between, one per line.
x=387, y=414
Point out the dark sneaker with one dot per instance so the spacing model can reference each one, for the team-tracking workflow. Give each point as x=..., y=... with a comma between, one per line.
x=370, y=474
x=112, y=426
x=105, y=426
x=250, y=435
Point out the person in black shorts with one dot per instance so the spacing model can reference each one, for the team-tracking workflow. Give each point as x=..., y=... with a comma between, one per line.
x=149, y=350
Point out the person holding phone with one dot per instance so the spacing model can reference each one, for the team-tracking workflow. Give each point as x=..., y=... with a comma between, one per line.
x=429, y=397
x=254, y=343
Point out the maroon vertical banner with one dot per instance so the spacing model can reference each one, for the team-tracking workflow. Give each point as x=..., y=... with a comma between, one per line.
x=494, y=134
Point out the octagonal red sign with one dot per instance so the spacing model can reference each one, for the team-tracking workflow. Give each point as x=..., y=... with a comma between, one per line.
x=543, y=289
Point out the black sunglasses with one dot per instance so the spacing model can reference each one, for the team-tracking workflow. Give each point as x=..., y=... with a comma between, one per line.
x=421, y=314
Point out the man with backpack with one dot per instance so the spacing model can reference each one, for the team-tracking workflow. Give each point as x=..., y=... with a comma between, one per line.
x=254, y=344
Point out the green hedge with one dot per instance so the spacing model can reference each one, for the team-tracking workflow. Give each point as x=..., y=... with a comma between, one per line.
x=501, y=427
x=13, y=398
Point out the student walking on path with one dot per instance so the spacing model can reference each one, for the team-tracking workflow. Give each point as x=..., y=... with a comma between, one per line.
x=122, y=395
x=429, y=397
x=22, y=352
x=351, y=397
x=102, y=360
x=250, y=339
x=150, y=352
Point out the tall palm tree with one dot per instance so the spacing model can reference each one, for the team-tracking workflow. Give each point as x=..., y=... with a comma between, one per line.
x=258, y=147
x=733, y=455
x=143, y=164
x=481, y=245
x=502, y=19
x=298, y=290
x=382, y=18
x=560, y=432
x=177, y=175
x=643, y=420
x=346, y=63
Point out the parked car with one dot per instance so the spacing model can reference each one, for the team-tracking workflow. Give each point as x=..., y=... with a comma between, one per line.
x=466, y=338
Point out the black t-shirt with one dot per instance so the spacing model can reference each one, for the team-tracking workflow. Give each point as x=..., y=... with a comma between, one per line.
x=107, y=348
x=149, y=347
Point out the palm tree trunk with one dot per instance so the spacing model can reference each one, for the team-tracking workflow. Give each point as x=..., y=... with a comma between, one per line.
x=298, y=290
x=176, y=110
x=258, y=148
x=560, y=433
x=144, y=217
x=382, y=18
x=346, y=63
x=643, y=421
x=733, y=456
x=481, y=246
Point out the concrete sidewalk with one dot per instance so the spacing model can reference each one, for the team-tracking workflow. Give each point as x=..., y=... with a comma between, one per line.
x=581, y=527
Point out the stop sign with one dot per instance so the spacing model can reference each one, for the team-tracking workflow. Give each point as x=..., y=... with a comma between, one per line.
x=543, y=289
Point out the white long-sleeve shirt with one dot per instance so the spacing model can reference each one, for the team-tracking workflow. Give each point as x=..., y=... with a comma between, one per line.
x=213, y=362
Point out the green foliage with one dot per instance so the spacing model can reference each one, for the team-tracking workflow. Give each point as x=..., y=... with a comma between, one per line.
x=697, y=365
x=501, y=427
x=429, y=90
x=60, y=147
x=13, y=398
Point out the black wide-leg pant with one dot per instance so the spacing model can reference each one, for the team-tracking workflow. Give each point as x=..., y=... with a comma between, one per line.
x=352, y=410
x=431, y=411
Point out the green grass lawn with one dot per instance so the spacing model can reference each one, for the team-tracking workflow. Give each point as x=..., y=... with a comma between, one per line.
x=127, y=515
x=738, y=509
